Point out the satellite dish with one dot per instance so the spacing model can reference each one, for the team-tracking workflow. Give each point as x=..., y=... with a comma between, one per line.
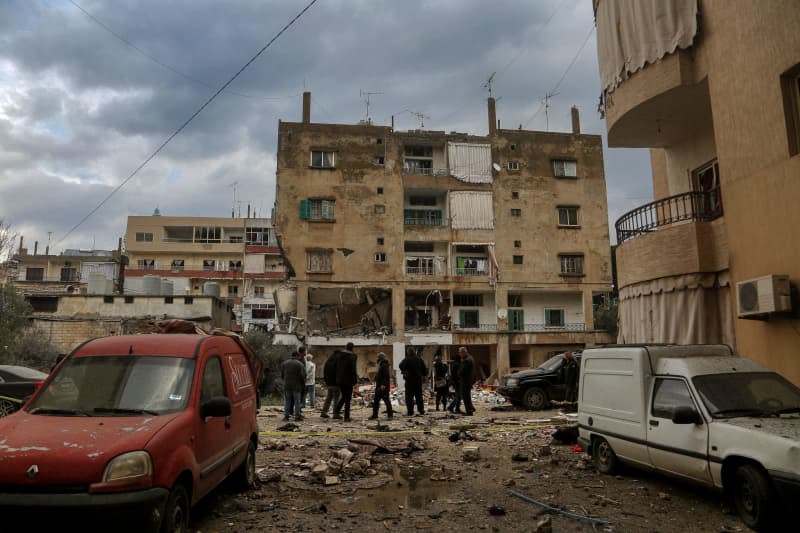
x=502, y=313
x=496, y=167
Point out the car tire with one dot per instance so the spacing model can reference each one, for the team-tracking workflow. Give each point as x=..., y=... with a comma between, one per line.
x=176, y=512
x=753, y=497
x=605, y=460
x=7, y=407
x=245, y=475
x=535, y=398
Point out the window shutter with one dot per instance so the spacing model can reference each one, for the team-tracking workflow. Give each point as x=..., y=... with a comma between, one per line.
x=305, y=209
x=462, y=317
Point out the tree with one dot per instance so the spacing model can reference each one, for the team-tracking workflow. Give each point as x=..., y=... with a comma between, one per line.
x=7, y=240
x=272, y=355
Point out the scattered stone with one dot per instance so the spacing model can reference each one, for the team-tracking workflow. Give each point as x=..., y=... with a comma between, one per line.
x=331, y=480
x=320, y=472
x=544, y=450
x=509, y=483
x=496, y=510
x=519, y=457
x=471, y=452
x=269, y=476
x=664, y=496
x=545, y=525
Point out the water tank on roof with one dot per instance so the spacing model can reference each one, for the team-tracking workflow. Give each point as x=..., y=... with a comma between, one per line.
x=167, y=287
x=151, y=285
x=97, y=283
x=211, y=288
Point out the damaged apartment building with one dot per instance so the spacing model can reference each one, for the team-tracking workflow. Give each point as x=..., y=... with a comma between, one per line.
x=436, y=240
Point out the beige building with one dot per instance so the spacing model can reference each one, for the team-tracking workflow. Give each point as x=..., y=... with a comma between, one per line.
x=237, y=259
x=713, y=88
x=434, y=240
x=70, y=272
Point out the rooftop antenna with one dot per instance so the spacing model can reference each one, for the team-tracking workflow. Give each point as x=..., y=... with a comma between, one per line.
x=233, y=205
x=488, y=84
x=366, y=95
x=420, y=117
x=547, y=98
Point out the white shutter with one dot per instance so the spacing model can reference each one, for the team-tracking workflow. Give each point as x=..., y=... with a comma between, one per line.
x=471, y=210
x=470, y=162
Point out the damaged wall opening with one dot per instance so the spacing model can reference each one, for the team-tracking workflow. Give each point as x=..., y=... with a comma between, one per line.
x=350, y=311
x=427, y=310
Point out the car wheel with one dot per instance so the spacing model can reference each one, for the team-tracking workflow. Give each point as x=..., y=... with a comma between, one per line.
x=176, y=512
x=535, y=398
x=7, y=407
x=753, y=496
x=605, y=460
x=245, y=475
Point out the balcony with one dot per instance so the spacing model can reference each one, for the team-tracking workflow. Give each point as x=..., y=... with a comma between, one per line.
x=689, y=206
x=549, y=328
x=475, y=327
x=422, y=171
x=420, y=270
x=422, y=217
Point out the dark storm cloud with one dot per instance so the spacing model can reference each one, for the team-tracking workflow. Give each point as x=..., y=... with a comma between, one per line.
x=79, y=109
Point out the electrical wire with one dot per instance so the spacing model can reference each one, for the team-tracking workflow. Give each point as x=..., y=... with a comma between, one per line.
x=190, y=119
x=523, y=49
x=165, y=65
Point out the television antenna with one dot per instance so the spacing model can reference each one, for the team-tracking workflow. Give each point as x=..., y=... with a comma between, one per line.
x=233, y=205
x=365, y=95
x=488, y=84
x=547, y=98
x=420, y=117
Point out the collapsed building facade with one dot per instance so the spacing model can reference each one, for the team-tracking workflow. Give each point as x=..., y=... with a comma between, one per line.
x=436, y=240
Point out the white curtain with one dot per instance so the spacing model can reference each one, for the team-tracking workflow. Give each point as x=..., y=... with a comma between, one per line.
x=470, y=162
x=471, y=210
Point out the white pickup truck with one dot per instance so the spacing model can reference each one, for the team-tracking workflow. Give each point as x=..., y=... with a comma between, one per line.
x=696, y=412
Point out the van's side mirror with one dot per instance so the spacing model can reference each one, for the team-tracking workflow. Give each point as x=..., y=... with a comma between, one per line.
x=686, y=415
x=216, y=406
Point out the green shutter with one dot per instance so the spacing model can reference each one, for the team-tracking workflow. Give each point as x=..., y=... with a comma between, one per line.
x=305, y=209
x=462, y=317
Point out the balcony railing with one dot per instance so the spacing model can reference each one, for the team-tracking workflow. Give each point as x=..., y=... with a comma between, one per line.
x=471, y=271
x=546, y=328
x=693, y=205
x=420, y=270
x=475, y=327
x=427, y=171
x=422, y=221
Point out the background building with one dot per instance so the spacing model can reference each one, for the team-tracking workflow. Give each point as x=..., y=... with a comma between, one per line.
x=713, y=88
x=435, y=240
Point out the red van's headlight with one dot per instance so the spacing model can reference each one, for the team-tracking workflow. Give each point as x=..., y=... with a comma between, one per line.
x=129, y=471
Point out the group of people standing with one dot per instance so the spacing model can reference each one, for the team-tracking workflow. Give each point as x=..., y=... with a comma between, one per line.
x=340, y=376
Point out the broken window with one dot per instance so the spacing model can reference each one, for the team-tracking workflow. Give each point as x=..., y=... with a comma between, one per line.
x=142, y=236
x=513, y=165
x=380, y=257
x=317, y=209
x=422, y=200
x=208, y=234
x=516, y=212
x=258, y=292
x=261, y=311
x=517, y=244
x=34, y=274
x=350, y=311
x=319, y=261
x=568, y=216
x=468, y=300
x=378, y=160
x=518, y=259
x=146, y=264
x=565, y=168
x=554, y=318
x=209, y=264
x=468, y=319
x=177, y=264
x=43, y=304
x=69, y=274
x=571, y=264
x=258, y=236
x=235, y=266
x=323, y=159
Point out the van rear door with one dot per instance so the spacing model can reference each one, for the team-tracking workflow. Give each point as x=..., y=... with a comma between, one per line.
x=680, y=449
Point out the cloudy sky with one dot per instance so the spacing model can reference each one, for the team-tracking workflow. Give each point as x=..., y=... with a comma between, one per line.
x=90, y=88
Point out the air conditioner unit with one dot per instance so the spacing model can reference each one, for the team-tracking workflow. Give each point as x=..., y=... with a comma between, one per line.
x=760, y=296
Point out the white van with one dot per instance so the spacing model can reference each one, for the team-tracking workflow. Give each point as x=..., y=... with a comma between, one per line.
x=696, y=412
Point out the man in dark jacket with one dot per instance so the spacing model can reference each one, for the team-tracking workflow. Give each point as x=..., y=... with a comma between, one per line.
x=382, y=387
x=455, y=405
x=571, y=371
x=467, y=378
x=414, y=371
x=293, y=373
x=346, y=378
x=329, y=375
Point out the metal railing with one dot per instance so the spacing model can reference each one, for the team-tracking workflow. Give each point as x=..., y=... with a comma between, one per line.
x=427, y=171
x=471, y=271
x=479, y=327
x=421, y=270
x=422, y=221
x=576, y=326
x=693, y=205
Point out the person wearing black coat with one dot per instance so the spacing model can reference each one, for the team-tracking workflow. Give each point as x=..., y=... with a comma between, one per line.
x=329, y=375
x=571, y=371
x=455, y=405
x=382, y=381
x=466, y=375
x=440, y=381
x=414, y=371
x=346, y=378
x=293, y=373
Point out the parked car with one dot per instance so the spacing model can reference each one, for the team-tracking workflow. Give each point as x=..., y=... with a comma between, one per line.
x=537, y=387
x=135, y=427
x=699, y=413
x=17, y=383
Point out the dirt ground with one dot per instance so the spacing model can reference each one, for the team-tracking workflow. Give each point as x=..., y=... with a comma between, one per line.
x=426, y=483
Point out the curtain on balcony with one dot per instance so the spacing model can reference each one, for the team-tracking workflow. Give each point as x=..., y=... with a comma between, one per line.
x=471, y=210
x=470, y=162
x=688, y=309
x=633, y=33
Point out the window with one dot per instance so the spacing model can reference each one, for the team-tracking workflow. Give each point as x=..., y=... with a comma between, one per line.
x=108, y=299
x=380, y=190
x=669, y=394
x=564, y=168
x=69, y=274
x=323, y=159
x=209, y=264
x=208, y=234
x=235, y=238
x=790, y=85
x=515, y=195
x=513, y=146
x=379, y=140
x=316, y=209
x=571, y=264
x=319, y=261
x=34, y=274
x=706, y=180
x=517, y=244
x=422, y=217
x=380, y=241
x=235, y=266
x=567, y=216
x=213, y=381
x=514, y=300
x=144, y=237
x=378, y=160
x=379, y=209
x=188, y=300
x=146, y=264
x=469, y=319
x=417, y=246
x=129, y=299
x=513, y=165
x=518, y=259
x=262, y=311
x=258, y=236
x=168, y=299
x=258, y=292
x=554, y=318
x=422, y=200
x=418, y=160
x=468, y=300
x=43, y=304
x=177, y=264
x=380, y=257
x=233, y=291
x=516, y=212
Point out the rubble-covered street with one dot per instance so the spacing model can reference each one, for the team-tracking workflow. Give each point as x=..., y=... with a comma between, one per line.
x=443, y=471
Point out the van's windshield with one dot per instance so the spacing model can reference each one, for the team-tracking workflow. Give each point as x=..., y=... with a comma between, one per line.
x=116, y=386
x=747, y=394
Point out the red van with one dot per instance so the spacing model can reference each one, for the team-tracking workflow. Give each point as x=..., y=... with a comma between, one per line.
x=140, y=426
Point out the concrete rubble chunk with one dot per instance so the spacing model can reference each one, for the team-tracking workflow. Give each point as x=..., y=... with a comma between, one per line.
x=471, y=452
x=331, y=480
x=545, y=525
x=544, y=450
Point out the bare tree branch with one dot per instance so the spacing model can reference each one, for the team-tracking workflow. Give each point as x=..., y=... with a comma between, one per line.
x=8, y=239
